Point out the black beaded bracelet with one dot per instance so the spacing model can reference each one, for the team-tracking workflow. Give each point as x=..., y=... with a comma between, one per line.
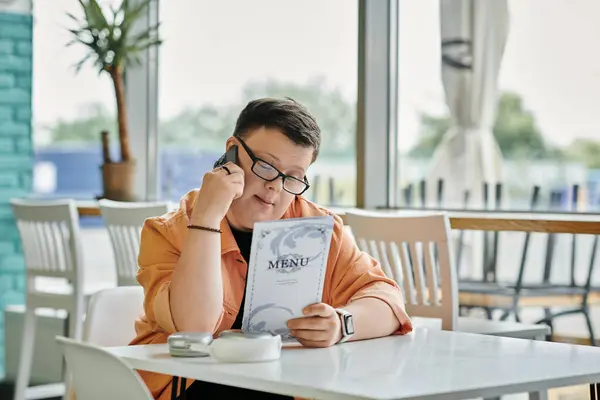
x=204, y=228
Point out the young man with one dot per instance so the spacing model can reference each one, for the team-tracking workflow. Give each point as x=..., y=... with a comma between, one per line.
x=193, y=262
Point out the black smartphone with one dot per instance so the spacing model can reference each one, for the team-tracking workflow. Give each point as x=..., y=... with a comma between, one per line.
x=230, y=155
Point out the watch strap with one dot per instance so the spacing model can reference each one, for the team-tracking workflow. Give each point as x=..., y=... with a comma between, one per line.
x=347, y=324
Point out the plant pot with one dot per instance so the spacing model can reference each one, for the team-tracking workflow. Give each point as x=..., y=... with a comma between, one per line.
x=118, y=181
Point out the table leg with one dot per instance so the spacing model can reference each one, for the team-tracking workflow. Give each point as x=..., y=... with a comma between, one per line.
x=174, y=385
x=182, y=389
x=543, y=395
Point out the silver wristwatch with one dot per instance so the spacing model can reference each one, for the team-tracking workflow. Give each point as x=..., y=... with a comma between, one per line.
x=347, y=322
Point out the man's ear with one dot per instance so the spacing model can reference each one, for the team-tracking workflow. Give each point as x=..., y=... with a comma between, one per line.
x=230, y=142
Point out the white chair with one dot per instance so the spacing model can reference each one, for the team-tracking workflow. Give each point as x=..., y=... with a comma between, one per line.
x=111, y=316
x=51, y=242
x=99, y=375
x=110, y=319
x=408, y=248
x=124, y=222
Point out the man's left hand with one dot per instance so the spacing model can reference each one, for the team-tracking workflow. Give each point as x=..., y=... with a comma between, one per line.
x=320, y=326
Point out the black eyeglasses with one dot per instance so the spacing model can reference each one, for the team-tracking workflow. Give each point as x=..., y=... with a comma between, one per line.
x=269, y=173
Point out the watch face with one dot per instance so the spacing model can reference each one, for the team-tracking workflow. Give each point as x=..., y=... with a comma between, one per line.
x=348, y=324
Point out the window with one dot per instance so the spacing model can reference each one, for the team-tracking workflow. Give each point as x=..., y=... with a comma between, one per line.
x=546, y=122
x=69, y=109
x=550, y=78
x=217, y=56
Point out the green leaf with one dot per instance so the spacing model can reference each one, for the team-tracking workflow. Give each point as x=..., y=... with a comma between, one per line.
x=83, y=61
x=96, y=16
x=143, y=46
x=97, y=12
x=141, y=36
x=74, y=18
x=87, y=13
x=133, y=14
x=134, y=60
x=75, y=32
x=112, y=42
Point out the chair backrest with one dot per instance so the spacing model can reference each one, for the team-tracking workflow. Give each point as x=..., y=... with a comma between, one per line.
x=98, y=374
x=111, y=316
x=416, y=252
x=50, y=238
x=124, y=222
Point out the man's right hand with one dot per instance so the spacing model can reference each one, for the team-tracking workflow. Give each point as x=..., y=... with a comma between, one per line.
x=218, y=190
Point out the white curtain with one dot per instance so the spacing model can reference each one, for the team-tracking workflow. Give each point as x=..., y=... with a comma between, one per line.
x=473, y=34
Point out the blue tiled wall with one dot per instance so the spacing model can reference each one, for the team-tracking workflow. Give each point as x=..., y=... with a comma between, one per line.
x=16, y=158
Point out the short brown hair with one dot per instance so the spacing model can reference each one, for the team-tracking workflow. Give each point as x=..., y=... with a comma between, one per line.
x=287, y=115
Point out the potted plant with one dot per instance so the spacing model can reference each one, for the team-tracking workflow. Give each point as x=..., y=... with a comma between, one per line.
x=115, y=43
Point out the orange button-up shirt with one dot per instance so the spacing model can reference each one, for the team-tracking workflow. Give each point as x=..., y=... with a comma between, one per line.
x=351, y=275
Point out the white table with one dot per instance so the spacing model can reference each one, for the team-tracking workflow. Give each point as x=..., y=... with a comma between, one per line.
x=488, y=327
x=426, y=364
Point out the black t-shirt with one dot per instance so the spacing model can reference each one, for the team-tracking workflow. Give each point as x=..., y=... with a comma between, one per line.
x=209, y=390
x=244, y=241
